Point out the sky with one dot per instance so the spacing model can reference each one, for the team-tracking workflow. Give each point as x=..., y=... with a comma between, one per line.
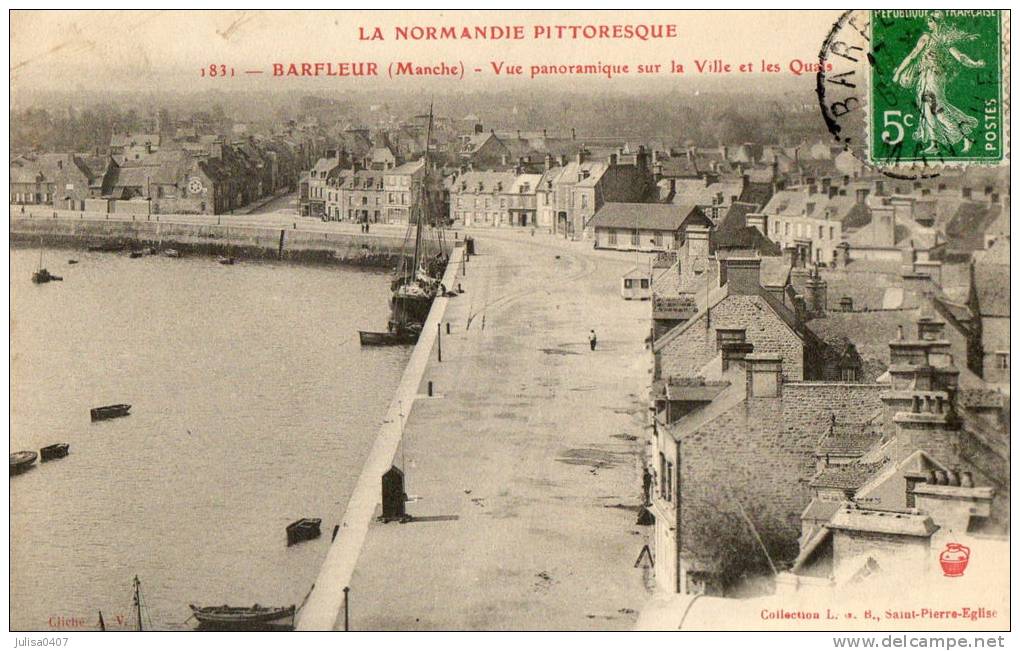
x=136, y=50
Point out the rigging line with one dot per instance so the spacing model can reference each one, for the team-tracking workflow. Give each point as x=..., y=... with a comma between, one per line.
x=754, y=531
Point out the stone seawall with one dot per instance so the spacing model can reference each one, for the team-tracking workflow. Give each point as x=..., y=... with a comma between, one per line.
x=241, y=241
x=325, y=602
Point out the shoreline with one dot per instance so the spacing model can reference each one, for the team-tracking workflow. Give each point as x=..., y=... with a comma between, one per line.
x=243, y=241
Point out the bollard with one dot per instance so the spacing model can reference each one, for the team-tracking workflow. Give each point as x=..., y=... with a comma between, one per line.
x=430, y=388
x=347, y=612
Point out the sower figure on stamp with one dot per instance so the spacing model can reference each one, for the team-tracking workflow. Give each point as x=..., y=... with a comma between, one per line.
x=928, y=69
x=592, y=339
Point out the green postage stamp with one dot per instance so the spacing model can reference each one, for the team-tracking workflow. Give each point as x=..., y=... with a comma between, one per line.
x=936, y=87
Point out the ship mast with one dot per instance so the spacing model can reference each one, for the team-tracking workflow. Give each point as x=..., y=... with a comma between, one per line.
x=423, y=202
x=138, y=602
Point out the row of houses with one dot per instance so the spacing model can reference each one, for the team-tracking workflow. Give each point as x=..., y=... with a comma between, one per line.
x=374, y=189
x=144, y=173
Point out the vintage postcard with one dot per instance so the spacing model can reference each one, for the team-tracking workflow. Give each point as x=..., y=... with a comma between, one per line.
x=518, y=320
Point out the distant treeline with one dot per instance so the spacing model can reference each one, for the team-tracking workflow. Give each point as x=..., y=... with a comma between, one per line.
x=705, y=118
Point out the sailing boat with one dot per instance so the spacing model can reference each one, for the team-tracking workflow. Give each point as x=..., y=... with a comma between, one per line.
x=417, y=280
x=138, y=602
x=42, y=275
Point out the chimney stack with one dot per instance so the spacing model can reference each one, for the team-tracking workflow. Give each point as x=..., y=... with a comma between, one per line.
x=697, y=241
x=759, y=221
x=817, y=294
x=764, y=375
x=743, y=275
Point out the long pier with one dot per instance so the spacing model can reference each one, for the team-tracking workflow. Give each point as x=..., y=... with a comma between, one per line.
x=523, y=470
x=326, y=600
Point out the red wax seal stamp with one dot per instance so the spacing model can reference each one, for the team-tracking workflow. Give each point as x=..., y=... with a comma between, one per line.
x=954, y=559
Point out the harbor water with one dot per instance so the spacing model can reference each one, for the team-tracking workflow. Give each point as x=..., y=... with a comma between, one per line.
x=253, y=405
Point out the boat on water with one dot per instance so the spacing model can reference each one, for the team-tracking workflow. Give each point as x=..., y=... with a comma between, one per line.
x=403, y=337
x=244, y=618
x=72, y=261
x=55, y=451
x=302, y=530
x=22, y=461
x=109, y=411
x=417, y=280
x=43, y=276
x=137, y=254
x=226, y=260
x=172, y=253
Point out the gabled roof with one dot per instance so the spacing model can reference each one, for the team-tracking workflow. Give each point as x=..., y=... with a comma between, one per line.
x=647, y=216
x=966, y=229
x=991, y=282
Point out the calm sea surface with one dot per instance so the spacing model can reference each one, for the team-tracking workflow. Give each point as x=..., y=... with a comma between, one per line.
x=252, y=406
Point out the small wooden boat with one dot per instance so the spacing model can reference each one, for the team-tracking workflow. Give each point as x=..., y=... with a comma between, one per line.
x=109, y=411
x=172, y=253
x=72, y=261
x=44, y=276
x=226, y=260
x=137, y=254
x=55, y=451
x=244, y=618
x=303, y=529
x=405, y=338
x=22, y=461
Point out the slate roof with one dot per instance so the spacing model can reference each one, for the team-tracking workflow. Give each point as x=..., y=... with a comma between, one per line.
x=966, y=230
x=490, y=182
x=848, y=439
x=991, y=282
x=745, y=238
x=849, y=476
x=646, y=216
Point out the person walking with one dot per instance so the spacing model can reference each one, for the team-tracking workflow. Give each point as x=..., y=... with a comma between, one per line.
x=592, y=339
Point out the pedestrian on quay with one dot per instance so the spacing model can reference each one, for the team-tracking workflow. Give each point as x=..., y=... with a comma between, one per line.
x=592, y=339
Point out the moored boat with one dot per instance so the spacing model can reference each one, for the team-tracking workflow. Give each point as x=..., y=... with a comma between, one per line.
x=406, y=338
x=244, y=618
x=172, y=253
x=226, y=260
x=22, y=461
x=55, y=451
x=303, y=529
x=44, y=276
x=137, y=254
x=109, y=411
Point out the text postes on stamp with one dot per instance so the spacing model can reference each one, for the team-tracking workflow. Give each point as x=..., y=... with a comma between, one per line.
x=936, y=87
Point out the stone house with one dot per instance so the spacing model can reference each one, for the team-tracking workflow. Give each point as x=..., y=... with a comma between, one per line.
x=59, y=180
x=357, y=196
x=644, y=226
x=739, y=310
x=401, y=185
x=733, y=453
x=480, y=198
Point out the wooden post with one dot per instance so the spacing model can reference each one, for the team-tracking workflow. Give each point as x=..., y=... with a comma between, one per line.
x=430, y=388
x=447, y=327
x=439, y=340
x=347, y=612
